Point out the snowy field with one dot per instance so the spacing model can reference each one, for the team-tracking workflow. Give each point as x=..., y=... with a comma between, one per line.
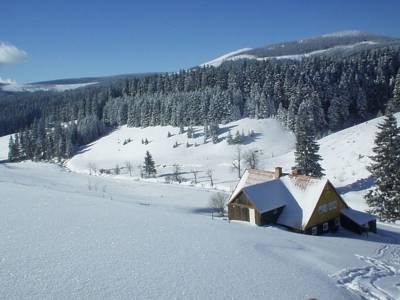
x=74, y=236
x=269, y=139
x=345, y=154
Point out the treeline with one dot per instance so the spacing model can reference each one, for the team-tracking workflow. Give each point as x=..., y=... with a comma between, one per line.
x=46, y=141
x=338, y=91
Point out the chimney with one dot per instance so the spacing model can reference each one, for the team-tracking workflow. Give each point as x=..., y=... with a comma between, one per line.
x=278, y=172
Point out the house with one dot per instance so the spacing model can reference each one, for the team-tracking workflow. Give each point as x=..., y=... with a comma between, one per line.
x=301, y=203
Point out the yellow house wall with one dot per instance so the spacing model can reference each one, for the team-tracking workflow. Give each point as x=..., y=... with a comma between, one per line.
x=329, y=194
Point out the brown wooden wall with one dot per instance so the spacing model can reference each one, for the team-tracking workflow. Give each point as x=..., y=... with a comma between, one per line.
x=329, y=194
x=238, y=209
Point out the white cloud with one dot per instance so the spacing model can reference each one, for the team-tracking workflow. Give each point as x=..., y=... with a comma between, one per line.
x=9, y=54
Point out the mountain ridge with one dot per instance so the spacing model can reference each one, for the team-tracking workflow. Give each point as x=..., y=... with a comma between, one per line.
x=336, y=43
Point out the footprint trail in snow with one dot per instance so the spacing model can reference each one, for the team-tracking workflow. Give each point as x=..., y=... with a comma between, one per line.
x=367, y=282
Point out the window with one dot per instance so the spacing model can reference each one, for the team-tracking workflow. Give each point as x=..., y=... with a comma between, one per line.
x=323, y=208
x=325, y=227
x=332, y=205
x=314, y=230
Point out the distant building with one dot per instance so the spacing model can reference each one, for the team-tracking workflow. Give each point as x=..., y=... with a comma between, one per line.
x=300, y=203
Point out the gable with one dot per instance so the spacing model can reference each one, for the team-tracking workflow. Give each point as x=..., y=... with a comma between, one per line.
x=251, y=177
x=306, y=192
x=242, y=199
x=328, y=207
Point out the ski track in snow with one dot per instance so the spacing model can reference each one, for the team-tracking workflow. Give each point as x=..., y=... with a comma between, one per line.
x=364, y=281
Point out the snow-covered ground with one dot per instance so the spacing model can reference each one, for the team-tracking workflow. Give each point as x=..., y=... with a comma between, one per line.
x=345, y=153
x=65, y=235
x=269, y=139
x=345, y=158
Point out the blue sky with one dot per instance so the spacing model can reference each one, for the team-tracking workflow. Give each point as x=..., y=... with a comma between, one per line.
x=68, y=39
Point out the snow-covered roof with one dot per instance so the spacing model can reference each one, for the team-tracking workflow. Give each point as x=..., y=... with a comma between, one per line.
x=357, y=216
x=299, y=195
x=251, y=177
x=306, y=191
x=259, y=195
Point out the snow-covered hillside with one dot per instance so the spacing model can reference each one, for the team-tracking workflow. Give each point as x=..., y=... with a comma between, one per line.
x=345, y=158
x=269, y=139
x=66, y=235
x=219, y=60
x=342, y=43
x=345, y=153
x=15, y=87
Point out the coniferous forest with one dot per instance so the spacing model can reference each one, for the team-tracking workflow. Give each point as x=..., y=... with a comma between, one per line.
x=333, y=92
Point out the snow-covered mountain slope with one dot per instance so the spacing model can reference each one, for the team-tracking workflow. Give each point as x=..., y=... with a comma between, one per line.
x=66, y=235
x=15, y=87
x=4, y=147
x=345, y=158
x=345, y=154
x=61, y=85
x=269, y=139
x=228, y=56
x=338, y=43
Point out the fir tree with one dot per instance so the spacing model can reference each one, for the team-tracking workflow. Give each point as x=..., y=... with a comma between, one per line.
x=238, y=139
x=214, y=128
x=149, y=166
x=306, y=155
x=229, y=138
x=11, y=149
x=384, y=198
x=396, y=94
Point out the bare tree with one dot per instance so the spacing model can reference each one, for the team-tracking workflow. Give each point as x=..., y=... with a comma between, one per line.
x=177, y=172
x=218, y=202
x=237, y=161
x=251, y=159
x=210, y=174
x=140, y=168
x=129, y=167
x=92, y=167
x=117, y=169
x=195, y=172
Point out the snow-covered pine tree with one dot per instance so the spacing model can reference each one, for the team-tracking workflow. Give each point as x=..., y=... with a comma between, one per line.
x=229, y=138
x=396, y=94
x=11, y=147
x=181, y=129
x=149, y=166
x=190, y=132
x=238, y=139
x=281, y=115
x=384, y=198
x=214, y=128
x=306, y=155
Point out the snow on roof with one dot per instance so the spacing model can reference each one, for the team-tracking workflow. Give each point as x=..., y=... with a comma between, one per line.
x=357, y=216
x=306, y=191
x=268, y=195
x=299, y=194
x=251, y=177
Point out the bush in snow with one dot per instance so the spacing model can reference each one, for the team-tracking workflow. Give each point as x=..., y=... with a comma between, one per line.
x=218, y=203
